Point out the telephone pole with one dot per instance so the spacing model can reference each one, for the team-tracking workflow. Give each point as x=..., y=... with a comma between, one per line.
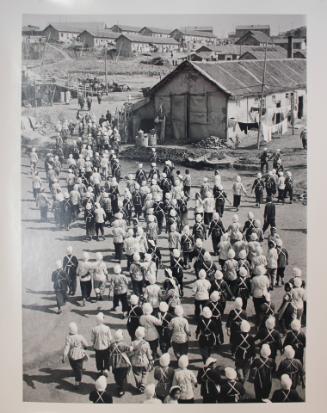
x=261, y=96
x=105, y=69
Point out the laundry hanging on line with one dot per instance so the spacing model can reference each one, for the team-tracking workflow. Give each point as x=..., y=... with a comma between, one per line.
x=245, y=127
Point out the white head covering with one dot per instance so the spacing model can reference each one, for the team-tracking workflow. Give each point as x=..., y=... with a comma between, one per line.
x=140, y=332
x=286, y=382
x=183, y=362
x=179, y=311
x=73, y=329
x=101, y=383
x=147, y=308
x=99, y=318
x=265, y=350
x=163, y=306
x=230, y=373
x=164, y=360
x=289, y=352
x=149, y=391
x=245, y=326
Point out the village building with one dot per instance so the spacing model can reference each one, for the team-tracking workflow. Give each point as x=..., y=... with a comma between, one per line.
x=198, y=100
x=259, y=53
x=203, y=29
x=254, y=38
x=131, y=44
x=300, y=54
x=240, y=31
x=191, y=38
x=298, y=43
x=68, y=32
x=124, y=29
x=155, y=32
x=98, y=39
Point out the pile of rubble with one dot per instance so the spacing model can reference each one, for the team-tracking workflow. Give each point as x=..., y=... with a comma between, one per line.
x=212, y=142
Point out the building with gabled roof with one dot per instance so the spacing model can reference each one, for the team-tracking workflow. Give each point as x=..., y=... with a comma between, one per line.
x=125, y=29
x=199, y=99
x=155, y=32
x=131, y=44
x=254, y=38
x=96, y=39
x=243, y=29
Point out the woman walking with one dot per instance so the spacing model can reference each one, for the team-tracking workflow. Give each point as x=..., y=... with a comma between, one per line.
x=238, y=190
x=75, y=351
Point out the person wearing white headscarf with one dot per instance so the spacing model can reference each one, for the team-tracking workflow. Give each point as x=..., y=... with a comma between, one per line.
x=262, y=370
x=286, y=394
x=186, y=380
x=100, y=394
x=101, y=339
x=75, y=351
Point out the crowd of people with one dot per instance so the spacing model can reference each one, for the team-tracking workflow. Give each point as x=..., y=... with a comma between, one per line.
x=242, y=264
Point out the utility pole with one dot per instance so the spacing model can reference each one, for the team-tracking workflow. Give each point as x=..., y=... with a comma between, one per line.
x=262, y=93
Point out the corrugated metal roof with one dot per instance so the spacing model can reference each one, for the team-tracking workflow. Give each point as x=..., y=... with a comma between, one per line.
x=138, y=38
x=77, y=27
x=260, y=54
x=259, y=36
x=106, y=34
x=253, y=26
x=157, y=30
x=284, y=40
x=244, y=77
x=127, y=28
x=187, y=32
x=239, y=48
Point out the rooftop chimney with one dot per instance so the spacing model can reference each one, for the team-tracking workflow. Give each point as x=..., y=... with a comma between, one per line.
x=290, y=47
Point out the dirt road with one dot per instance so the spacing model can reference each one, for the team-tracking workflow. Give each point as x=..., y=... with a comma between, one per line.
x=45, y=377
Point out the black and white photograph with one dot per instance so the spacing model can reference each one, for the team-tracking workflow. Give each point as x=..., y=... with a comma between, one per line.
x=164, y=208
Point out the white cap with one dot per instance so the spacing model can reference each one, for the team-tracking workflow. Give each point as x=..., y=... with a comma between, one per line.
x=101, y=383
x=199, y=242
x=164, y=360
x=73, y=329
x=147, y=308
x=163, y=306
x=140, y=332
x=99, y=317
x=117, y=269
x=245, y=326
x=231, y=254
x=296, y=325
x=230, y=373
x=265, y=350
x=134, y=299
x=219, y=275
x=202, y=274
x=289, y=352
x=206, y=312
x=214, y=296
x=238, y=303
x=176, y=253
x=286, y=382
x=183, y=362
x=118, y=335
x=179, y=310
x=270, y=322
x=69, y=250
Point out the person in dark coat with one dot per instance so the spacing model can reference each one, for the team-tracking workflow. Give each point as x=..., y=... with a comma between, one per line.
x=89, y=218
x=244, y=351
x=264, y=158
x=67, y=211
x=269, y=335
x=207, y=378
x=220, y=285
x=286, y=394
x=269, y=215
x=216, y=230
x=70, y=264
x=297, y=339
x=234, y=320
x=220, y=196
x=140, y=175
x=231, y=390
x=270, y=185
x=258, y=187
x=291, y=366
x=261, y=374
x=216, y=308
x=133, y=316
x=206, y=332
x=60, y=285
x=243, y=286
x=164, y=332
x=100, y=394
x=282, y=261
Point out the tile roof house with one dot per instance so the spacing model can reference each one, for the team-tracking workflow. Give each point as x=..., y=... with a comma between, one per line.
x=254, y=38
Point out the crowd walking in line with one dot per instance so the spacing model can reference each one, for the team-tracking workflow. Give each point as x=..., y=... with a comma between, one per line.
x=246, y=261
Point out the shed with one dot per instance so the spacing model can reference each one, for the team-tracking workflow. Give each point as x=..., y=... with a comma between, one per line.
x=123, y=28
x=197, y=99
x=243, y=29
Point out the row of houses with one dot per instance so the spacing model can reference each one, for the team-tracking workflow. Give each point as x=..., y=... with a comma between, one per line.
x=200, y=99
x=243, y=52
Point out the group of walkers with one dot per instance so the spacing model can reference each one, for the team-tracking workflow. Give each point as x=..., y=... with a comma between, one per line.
x=141, y=210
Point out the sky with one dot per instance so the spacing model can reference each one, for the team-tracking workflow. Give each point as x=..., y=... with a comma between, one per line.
x=222, y=23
